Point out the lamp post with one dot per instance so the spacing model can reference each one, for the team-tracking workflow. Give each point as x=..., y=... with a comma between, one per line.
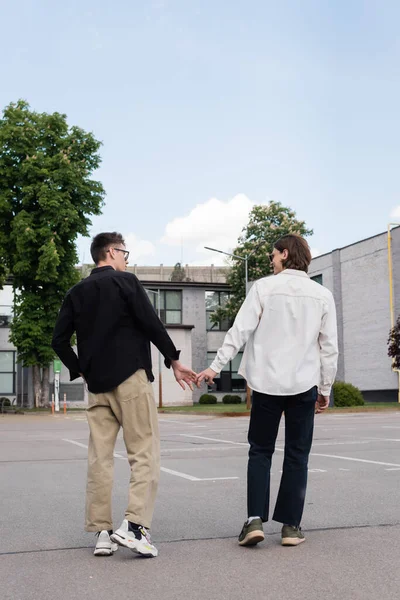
x=246, y=278
x=391, y=297
x=158, y=293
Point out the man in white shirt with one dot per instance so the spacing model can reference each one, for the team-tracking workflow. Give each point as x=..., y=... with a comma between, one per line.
x=288, y=323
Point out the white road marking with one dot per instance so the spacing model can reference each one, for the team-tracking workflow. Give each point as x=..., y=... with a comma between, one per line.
x=200, y=437
x=170, y=471
x=317, y=470
x=393, y=469
x=178, y=474
x=85, y=446
x=363, y=460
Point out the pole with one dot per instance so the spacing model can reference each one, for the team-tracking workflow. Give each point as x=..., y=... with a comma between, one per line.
x=57, y=391
x=391, y=300
x=52, y=404
x=160, y=390
x=65, y=404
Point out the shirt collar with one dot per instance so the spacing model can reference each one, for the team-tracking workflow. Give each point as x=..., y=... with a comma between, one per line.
x=295, y=272
x=100, y=269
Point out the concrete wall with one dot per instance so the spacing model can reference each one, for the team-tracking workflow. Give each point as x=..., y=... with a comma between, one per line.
x=358, y=277
x=172, y=393
x=366, y=315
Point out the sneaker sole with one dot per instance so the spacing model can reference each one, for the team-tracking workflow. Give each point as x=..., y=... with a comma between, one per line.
x=292, y=541
x=135, y=546
x=252, y=538
x=103, y=552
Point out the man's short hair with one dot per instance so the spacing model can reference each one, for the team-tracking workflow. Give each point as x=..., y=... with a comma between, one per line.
x=102, y=242
x=299, y=251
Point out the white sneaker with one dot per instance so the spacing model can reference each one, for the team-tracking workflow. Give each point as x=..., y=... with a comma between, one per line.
x=137, y=540
x=104, y=546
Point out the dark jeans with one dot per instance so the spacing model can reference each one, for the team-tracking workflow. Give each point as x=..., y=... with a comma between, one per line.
x=266, y=414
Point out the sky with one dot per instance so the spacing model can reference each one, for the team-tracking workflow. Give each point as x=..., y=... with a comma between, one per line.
x=208, y=107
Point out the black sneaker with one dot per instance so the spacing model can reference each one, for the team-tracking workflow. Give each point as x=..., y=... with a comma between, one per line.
x=251, y=533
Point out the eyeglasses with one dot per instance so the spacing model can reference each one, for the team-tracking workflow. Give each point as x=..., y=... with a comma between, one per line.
x=126, y=252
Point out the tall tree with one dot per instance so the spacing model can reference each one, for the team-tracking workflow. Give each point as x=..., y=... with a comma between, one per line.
x=46, y=199
x=394, y=344
x=267, y=223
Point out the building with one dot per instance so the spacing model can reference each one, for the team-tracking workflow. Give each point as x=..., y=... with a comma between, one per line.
x=357, y=275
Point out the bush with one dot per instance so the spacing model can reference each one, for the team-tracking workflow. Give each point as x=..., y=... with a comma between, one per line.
x=346, y=394
x=228, y=399
x=208, y=399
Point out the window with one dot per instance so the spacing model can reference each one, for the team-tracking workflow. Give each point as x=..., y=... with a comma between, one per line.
x=7, y=369
x=228, y=380
x=215, y=300
x=317, y=278
x=170, y=305
x=6, y=305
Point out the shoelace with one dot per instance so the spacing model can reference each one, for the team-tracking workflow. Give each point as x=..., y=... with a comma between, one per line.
x=145, y=533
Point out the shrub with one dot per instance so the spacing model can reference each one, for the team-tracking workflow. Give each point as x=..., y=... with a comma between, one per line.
x=228, y=399
x=346, y=394
x=208, y=399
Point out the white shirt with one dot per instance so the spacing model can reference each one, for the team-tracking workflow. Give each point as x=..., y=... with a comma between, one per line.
x=288, y=323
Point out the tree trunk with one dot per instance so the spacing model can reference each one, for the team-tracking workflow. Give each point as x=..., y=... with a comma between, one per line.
x=37, y=385
x=45, y=386
x=40, y=376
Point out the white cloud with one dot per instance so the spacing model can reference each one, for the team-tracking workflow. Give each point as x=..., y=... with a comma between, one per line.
x=395, y=214
x=215, y=223
x=138, y=248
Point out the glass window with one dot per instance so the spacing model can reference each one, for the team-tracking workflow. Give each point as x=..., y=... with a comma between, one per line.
x=170, y=305
x=6, y=305
x=7, y=368
x=215, y=300
x=6, y=362
x=6, y=383
x=228, y=380
x=317, y=278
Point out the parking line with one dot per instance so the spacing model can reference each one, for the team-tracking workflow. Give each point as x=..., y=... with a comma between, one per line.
x=169, y=471
x=84, y=446
x=200, y=437
x=363, y=460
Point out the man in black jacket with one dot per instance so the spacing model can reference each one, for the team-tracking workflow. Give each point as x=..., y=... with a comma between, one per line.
x=115, y=322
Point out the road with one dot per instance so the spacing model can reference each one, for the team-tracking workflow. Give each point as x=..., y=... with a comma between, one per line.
x=351, y=518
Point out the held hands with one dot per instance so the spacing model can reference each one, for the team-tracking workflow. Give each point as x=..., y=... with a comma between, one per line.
x=184, y=375
x=207, y=375
x=321, y=404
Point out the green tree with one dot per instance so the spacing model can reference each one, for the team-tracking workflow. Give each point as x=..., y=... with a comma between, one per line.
x=46, y=198
x=178, y=274
x=394, y=344
x=267, y=223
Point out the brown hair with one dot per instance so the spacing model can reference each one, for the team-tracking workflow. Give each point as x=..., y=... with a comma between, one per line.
x=102, y=242
x=299, y=251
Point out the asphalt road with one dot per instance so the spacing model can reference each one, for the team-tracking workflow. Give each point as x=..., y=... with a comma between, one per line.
x=351, y=518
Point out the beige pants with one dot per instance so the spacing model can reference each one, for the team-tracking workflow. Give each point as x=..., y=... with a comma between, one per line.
x=130, y=406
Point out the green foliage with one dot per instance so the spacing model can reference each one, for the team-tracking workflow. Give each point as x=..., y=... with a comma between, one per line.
x=267, y=223
x=46, y=198
x=207, y=399
x=346, y=394
x=178, y=274
x=231, y=399
x=394, y=344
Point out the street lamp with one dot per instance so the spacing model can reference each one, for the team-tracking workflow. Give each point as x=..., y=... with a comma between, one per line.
x=246, y=277
x=244, y=258
x=158, y=293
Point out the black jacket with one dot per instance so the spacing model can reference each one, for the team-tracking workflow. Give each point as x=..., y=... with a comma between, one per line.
x=114, y=322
